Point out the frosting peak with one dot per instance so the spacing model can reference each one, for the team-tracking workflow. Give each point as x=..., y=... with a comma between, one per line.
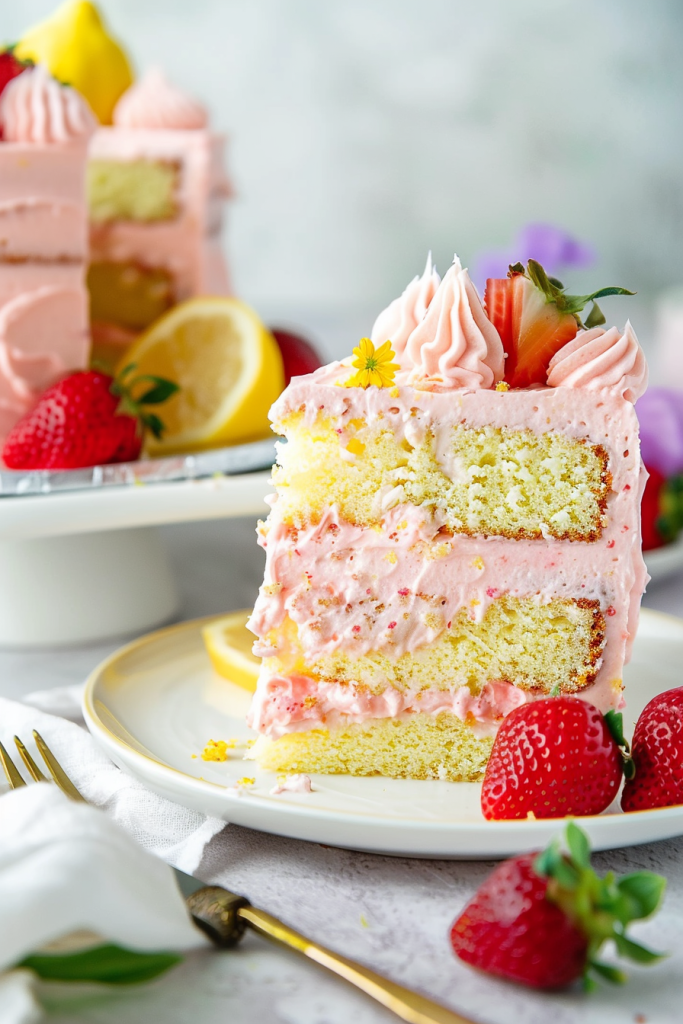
x=154, y=103
x=456, y=344
x=598, y=359
x=397, y=322
x=35, y=107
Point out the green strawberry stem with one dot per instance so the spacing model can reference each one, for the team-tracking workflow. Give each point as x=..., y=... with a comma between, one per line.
x=160, y=391
x=601, y=908
x=554, y=292
x=615, y=724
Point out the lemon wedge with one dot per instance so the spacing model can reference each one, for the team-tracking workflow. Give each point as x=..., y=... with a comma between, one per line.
x=228, y=368
x=228, y=644
x=78, y=50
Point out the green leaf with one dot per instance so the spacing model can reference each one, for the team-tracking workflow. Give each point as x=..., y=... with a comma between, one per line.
x=579, y=845
x=595, y=318
x=644, y=891
x=614, y=721
x=153, y=423
x=634, y=950
x=555, y=691
x=109, y=964
x=609, y=973
x=547, y=860
x=161, y=391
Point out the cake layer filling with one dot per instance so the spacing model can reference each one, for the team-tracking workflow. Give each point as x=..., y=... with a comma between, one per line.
x=533, y=646
x=414, y=746
x=284, y=704
x=138, y=190
x=128, y=294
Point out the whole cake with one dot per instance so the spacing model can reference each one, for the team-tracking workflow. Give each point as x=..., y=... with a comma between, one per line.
x=456, y=530
x=157, y=188
x=44, y=133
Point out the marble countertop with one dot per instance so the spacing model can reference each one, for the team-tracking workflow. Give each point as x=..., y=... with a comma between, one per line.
x=391, y=913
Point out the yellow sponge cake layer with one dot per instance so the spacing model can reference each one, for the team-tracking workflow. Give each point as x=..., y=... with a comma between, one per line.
x=414, y=746
x=511, y=483
x=533, y=646
x=138, y=190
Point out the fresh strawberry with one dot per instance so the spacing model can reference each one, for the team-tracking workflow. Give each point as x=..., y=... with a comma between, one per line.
x=541, y=919
x=657, y=755
x=86, y=419
x=651, y=511
x=535, y=319
x=10, y=67
x=554, y=757
x=298, y=355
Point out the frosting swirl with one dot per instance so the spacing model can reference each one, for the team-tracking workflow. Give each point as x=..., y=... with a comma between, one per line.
x=598, y=359
x=34, y=107
x=154, y=103
x=456, y=344
x=397, y=322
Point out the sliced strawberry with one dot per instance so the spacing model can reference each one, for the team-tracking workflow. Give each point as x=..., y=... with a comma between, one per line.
x=535, y=319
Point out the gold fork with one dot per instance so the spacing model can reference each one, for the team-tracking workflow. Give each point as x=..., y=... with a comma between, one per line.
x=224, y=915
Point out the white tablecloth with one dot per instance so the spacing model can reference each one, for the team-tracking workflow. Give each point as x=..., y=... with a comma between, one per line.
x=393, y=914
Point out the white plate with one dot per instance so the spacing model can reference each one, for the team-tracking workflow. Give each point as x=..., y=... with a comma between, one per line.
x=664, y=562
x=154, y=704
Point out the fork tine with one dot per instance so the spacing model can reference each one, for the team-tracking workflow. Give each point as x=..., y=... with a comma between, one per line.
x=34, y=770
x=13, y=777
x=56, y=770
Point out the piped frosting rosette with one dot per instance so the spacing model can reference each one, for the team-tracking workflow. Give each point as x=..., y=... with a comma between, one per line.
x=154, y=103
x=397, y=322
x=35, y=107
x=598, y=359
x=455, y=345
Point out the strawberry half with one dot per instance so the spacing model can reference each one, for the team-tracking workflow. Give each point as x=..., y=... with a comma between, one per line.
x=555, y=757
x=535, y=319
x=541, y=919
x=87, y=419
x=657, y=755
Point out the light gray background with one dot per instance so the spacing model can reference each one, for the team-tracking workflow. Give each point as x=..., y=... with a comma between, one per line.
x=365, y=132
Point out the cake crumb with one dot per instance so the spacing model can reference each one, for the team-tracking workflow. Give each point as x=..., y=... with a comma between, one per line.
x=502, y=386
x=217, y=750
x=364, y=921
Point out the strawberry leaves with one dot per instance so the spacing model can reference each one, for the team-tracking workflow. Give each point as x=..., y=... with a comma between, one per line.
x=615, y=724
x=601, y=908
x=574, y=304
x=160, y=391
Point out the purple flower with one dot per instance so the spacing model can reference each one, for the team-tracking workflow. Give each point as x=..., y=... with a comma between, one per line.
x=660, y=413
x=550, y=246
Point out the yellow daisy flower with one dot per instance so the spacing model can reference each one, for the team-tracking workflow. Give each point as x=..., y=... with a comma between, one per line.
x=374, y=365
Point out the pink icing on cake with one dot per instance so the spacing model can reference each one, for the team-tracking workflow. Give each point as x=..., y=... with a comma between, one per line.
x=455, y=344
x=398, y=321
x=34, y=107
x=599, y=359
x=154, y=103
x=43, y=239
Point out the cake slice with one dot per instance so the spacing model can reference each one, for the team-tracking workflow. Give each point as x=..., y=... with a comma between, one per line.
x=43, y=238
x=443, y=548
x=156, y=188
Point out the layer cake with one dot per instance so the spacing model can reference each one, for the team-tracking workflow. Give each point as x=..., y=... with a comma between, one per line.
x=157, y=188
x=43, y=238
x=443, y=548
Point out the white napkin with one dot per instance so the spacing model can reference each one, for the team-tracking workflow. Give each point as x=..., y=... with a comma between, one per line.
x=172, y=832
x=65, y=867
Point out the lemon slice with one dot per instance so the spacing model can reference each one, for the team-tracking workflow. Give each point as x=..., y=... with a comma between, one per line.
x=227, y=365
x=228, y=644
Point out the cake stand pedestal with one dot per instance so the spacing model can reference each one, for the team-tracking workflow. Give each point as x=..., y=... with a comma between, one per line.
x=86, y=566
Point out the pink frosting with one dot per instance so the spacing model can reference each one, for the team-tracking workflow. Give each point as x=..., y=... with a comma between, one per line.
x=397, y=322
x=294, y=703
x=34, y=107
x=154, y=103
x=293, y=784
x=456, y=344
x=599, y=359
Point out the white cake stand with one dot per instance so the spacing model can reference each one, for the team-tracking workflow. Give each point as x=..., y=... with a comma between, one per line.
x=87, y=565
